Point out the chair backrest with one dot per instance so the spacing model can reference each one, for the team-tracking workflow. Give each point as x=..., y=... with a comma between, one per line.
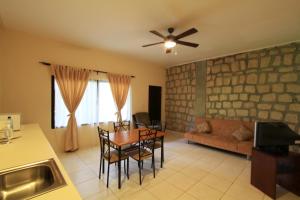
x=141, y=118
x=104, y=141
x=121, y=126
x=147, y=139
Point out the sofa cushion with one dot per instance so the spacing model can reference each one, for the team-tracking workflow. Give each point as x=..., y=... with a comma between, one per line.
x=203, y=127
x=242, y=134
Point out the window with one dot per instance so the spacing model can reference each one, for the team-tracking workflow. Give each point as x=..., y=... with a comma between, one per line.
x=97, y=105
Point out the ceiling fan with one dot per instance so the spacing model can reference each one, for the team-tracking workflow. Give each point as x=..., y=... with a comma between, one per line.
x=170, y=40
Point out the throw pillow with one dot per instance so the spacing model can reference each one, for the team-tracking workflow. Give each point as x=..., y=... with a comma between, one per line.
x=203, y=127
x=242, y=134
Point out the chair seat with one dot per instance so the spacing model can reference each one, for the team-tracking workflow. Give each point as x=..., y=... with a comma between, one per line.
x=144, y=154
x=130, y=148
x=114, y=156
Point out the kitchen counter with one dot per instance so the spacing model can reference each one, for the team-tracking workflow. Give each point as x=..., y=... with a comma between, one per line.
x=31, y=147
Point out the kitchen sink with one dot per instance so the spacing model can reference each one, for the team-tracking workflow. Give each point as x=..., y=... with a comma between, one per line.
x=31, y=180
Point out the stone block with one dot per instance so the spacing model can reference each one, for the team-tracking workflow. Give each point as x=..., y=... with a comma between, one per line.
x=293, y=88
x=254, y=98
x=233, y=97
x=253, y=112
x=288, y=49
x=250, y=89
x=263, y=114
x=223, y=97
x=226, y=104
x=272, y=77
x=217, y=90
x=276, y=115
x=263, y=88
x=269, y=97
x=277, y=61
x=238, y=89
x=291, y=118
x=265, y=61
x=253, y=63
x=243, y=64
x=279, y=107
x=240, y=56
x=218, y=105
x=289, y=77
x=242, y=112
x=219, y=81
x=235, y=66
x=285, y=98
x=244, y=97
x=288, y=59
x=210, y=84
x=222, y=112
x=214, y=98
x=249, y=105
x=216, y=69
x=286, y=69
x=274, y=51
x=218, y=61
x=278, y=88
x=209, y=63
x=295, y=107
x=231, y=112
x=297, y=59
x=262, y=78
x=264, y=106
x=225, y=68
x=237, y=104
x=226, y=90
x=242, y=79
x=252, y=79
x=226, y=80
x=212, y=111
x=234, y=80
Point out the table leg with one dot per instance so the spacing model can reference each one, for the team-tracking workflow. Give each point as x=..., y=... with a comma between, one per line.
x=162, y=156
x=119, y=168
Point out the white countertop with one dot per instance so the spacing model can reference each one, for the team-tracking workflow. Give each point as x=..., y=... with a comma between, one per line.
x=31, y=147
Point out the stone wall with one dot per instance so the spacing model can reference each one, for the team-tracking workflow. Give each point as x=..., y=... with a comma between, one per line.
x=257, y=85
x=180, y=96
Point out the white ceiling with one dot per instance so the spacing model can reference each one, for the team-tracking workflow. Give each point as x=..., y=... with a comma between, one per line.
x=225, y=26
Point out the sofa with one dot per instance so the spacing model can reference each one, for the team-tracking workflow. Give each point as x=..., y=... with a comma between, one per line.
x=221, y=135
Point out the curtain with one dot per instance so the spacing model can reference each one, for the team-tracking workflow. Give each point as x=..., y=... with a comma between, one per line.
x=72, y=83
x=119, y=85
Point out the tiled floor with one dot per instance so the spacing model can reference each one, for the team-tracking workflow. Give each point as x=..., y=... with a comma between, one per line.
x=190, y=172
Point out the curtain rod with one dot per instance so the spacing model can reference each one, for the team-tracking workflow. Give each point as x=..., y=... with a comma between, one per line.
x=97, y=71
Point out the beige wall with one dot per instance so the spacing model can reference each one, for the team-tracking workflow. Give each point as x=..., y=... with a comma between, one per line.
x=27, y=83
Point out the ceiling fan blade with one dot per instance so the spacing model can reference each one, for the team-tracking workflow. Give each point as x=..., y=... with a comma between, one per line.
x=186, y=33
x=190, y=44
x=147, y=45
x=158, y=34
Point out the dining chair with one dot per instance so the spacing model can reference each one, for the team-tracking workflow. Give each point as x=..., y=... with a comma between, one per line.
x=122, y=126
x=145, y=150
x=109, y=153
x=142, y=119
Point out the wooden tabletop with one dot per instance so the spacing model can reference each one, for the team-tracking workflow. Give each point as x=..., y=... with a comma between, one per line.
x=121, y=138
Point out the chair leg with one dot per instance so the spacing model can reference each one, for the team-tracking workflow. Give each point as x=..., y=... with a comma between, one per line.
x=153, y=163
x=140, y=172
x=100, y=167
x=127, y=168
x=103, y=166
x=124, y=161
x=142, y=164
x=107, y=182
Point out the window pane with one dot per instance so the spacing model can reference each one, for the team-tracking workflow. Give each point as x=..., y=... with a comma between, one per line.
x=97, y=105
x=107, y=106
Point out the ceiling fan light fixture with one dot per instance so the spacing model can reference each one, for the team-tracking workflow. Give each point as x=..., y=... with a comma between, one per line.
x=169, y=44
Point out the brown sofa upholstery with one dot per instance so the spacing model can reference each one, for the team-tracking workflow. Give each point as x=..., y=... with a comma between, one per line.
x=221, y=135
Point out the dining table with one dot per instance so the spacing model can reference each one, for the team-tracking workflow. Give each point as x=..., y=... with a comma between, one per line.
x=127, y=137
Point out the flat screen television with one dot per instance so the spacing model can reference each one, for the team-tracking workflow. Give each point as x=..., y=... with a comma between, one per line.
x=274, y=137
